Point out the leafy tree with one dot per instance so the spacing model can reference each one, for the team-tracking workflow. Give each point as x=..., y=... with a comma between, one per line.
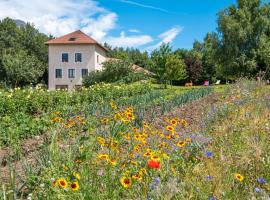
x=21, y=68
x=194, y=68
x=210, y=56
x=175, y=68
x=242, y=27
x=159, y=58
x=26, y=38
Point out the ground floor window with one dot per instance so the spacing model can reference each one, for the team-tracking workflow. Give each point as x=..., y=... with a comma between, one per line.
x=71, y=73
x=58, y=73
x=84, y=72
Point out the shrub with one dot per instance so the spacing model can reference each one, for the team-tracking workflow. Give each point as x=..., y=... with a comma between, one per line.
x=114, y=71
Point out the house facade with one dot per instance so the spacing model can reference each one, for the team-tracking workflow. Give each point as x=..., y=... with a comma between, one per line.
x=71, y=57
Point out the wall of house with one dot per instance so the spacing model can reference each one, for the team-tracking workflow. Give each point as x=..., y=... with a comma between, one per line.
x=55, y=62
x=101, y=53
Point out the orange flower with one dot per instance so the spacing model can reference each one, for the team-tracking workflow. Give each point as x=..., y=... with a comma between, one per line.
x=169, y=128
x=74, y=186
x=62, y=182
x=153, y=164
x=173, y=122
x=181, y=144
x=126, y=181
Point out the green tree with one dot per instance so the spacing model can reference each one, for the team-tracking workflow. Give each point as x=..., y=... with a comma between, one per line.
x=241, y=28
x=21, y=68
x=175, y=68
x=210, y=58
x=159, y=58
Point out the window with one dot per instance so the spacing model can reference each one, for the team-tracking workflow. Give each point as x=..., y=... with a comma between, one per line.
x=58, y=73
x=78, y=57
x=97, y=58
x=71, y=73
x=64, y=57
x=84, y=72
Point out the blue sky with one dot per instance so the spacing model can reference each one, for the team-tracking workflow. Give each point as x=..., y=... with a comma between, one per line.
x=194, y=17
x=143, y=24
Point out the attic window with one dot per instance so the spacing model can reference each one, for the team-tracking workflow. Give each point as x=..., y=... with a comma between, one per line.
x=72, y=39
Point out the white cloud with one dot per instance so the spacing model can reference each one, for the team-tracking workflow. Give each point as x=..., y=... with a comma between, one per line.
x=134, y=30
x=167, y=37
x=129, y=41
x=143, y=5
x=61, y=17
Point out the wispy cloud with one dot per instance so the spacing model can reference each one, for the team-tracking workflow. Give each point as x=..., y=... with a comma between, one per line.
x=166, y=37
x=144, y=5
x=134, y=30
x=129, y=41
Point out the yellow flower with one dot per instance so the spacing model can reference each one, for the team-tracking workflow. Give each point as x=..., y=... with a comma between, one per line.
x=147, y=154
x=104, y=121
x=155, y=158
x=113, y=105
x=130, y=116
x=78, y=118
x=169, y=128
x=101, y=141
x=239, y=177
x=117, y=116
x=103, y=156
x=74, y=186
x=113, y=162
x=143, y=171
x=184, y=122
x=130, y=109
x=188, y=139
x=77, y=175
x=62, y=182
x=181, y=144
x=164, y=155
x=173, y=122
x=137, y=177
x=126, y=182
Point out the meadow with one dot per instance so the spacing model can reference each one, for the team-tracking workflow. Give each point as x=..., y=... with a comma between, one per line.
x=136, y=141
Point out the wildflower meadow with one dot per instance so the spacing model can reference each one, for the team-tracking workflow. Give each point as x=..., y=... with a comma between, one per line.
x=136, y=142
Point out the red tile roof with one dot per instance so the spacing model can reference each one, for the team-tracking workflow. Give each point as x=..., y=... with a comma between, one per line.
x=77, y=37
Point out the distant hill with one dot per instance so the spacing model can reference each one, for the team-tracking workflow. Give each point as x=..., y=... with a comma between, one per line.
x=19, y=22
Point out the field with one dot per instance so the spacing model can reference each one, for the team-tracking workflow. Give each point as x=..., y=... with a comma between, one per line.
x=136, y=141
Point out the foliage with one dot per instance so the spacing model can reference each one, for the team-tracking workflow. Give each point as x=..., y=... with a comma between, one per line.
x=25, y=42
x=106, y=154
x=194, y=68
x=134, y=56
x=21, y=69
x=114, y=71
x=242, y=28
x=159, y=58
x=175, y=69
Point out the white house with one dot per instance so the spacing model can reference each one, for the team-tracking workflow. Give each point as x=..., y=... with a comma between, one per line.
x=71, y=57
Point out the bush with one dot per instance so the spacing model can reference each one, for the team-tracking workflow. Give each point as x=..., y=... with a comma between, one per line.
x=114, y=71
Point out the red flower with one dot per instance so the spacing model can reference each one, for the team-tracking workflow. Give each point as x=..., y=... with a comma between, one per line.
x=153, y=164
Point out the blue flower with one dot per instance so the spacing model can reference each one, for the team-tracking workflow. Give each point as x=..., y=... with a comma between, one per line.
x=212, y=198
x=209, y=178
x=257, y=189
x=261, y=180
x=157, y=180
x=208, y=154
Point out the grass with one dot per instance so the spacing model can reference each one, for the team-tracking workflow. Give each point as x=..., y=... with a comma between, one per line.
x=103, y=153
